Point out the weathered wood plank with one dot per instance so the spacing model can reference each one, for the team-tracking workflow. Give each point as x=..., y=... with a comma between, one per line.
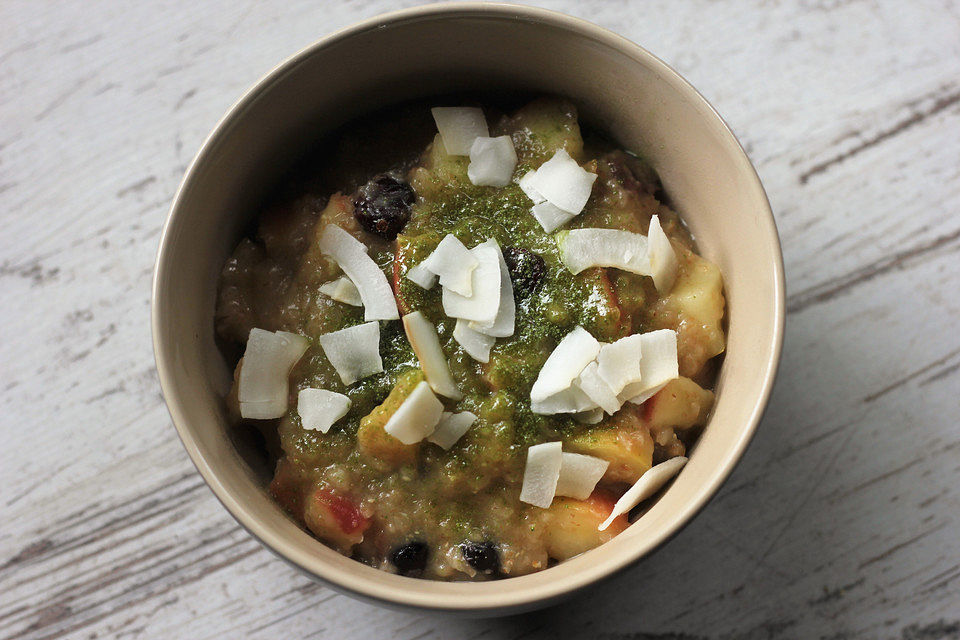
x=841, y=521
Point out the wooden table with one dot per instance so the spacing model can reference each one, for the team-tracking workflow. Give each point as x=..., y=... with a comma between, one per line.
x=842, y=519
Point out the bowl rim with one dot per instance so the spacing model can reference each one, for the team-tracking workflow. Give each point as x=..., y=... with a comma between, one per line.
x=462, y=596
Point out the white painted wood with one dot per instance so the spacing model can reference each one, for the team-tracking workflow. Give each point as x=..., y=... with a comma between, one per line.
x=842, y=519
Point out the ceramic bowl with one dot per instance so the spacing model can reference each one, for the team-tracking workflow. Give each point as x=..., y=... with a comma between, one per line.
x=619, y=87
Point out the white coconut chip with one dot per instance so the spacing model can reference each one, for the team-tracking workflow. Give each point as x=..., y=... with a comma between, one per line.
x=541, y=474
x=417, y=417
x=579, y=475
x=663, y=259
x=571, y=400
x=504, y=324
x=658, y=365
x=597, y=389
x=351, y=255
x=618, y=363
x=451, y=428
x=484, y=304
x=426, y=345
x=459, y=127
x=648, y=484
x=319, y=408
x=454, y=263
x=590, y=416
x=342, y=290
x=492, y=161
x=354, y=352
x=476, y=344
x=577, y=349
x=584, y=248
x=263, y=384
x=422, y=276
x=563, y=182
x=550, y=216
x=528, y=189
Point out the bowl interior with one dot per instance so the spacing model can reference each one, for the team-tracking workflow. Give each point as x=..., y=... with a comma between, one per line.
x=619, y=89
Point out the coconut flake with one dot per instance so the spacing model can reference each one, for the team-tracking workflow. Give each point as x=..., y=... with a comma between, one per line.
x=484, y=304
x=584, y=248
x=342, y=290
x=663, y=259
x=504, y=324
x=527, y=187
x=422, y=276
x=476, y=344
x=550, y=216
x=426, y=345
x=568, y=359
x=492, y=161
x=579, y=475
x=455, y=265
x=658, y=365
x=648, y=484
x=572, y=400
x=459, y=127
x=354, y=352
x=541, y=474
x=563, y=182
x=263, y=384
x=319, y=408
x=590, y=416
x=597, y=389
x=351, y=255
x=451, y=428
x=417, y=417
x=619, y=363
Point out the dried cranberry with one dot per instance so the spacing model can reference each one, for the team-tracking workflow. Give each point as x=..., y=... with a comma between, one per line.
x=382, y=206
x=482, y=556
x=410, y=558
x=527, y=269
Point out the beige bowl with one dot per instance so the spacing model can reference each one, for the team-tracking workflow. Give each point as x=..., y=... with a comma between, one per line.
x=619, y=87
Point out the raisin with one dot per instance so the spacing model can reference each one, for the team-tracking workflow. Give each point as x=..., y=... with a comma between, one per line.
x=527, y=269
x=410, y=558
x=482, y=556
x=382, y=206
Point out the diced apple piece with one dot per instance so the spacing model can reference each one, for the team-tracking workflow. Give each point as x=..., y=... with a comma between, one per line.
x=417, y=417
x=354, y=352
x=351, y=255
x=377, y=445
x=648, y=484
x=584, y=248
x=577, y=349
x=451, y=428
x=426, y=345
x=663, y=259
x=541, y=474
x=623, y=440
x=571, y=526
x=492, y=161
x=459, y=127
x=335, y=519
x=681, y=404
x=319, y=409
x=579, y=475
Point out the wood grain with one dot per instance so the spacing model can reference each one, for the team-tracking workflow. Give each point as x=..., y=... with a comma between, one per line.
x=842, y=519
